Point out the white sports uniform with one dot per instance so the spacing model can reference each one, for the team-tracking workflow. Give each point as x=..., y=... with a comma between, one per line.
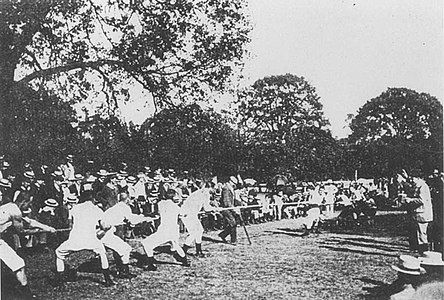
x=7, y=254
x=313, y=213
x=168, y=231
x=115, y=216
x=190, y=209
x=85, y=217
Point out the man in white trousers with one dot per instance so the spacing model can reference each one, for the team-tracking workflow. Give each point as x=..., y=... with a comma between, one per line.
x=85, y=218
x=112, y=217
x=168, y=231
x=10, y=215
x=189, y=212
x=314, y=211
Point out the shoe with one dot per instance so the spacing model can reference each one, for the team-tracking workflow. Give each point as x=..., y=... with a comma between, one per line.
x=222, y=237
x=25, y=293
x=150, y=266
x=124, y=273
x=108, y=281
x=183, y=260
x=59, y=280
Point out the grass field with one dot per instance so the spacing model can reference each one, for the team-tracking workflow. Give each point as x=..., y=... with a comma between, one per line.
x=280, y=264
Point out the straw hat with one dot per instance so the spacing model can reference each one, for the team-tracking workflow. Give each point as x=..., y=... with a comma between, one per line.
x=29, y=174
x=51, y=203
x=409, y=265
x=131, y=179
x=72, y=198
x=5, y=183
x=102, y=173
x=431, y=258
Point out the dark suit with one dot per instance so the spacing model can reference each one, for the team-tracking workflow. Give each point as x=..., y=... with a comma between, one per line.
x=227, y=200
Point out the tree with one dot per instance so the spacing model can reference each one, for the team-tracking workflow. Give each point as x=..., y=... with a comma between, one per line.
x=284, y=127
x=191, y=138
x=400, y=128
x=42, y=128
x=80, y=49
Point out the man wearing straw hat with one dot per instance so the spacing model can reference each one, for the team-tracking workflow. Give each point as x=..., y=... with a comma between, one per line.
x=409, y=272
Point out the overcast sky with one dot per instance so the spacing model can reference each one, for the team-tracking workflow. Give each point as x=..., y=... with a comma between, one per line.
x=350, y=51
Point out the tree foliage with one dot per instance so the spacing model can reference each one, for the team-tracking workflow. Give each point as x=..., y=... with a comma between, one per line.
x=87, y=48
x=191, y=138
x=400, y=128
x=284, y=128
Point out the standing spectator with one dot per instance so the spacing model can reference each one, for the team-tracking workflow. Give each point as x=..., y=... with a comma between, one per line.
x=229, y=215
x=419, y=208
x=68, y=168
x=436, y=189
x=108, y=197
x=278, y=204
x=24, y=195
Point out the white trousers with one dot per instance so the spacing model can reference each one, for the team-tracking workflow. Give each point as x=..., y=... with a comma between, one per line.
x=112, y=241
x=194, y=228
x=10, y=258
x=69, y=246
x=312, y=218
x=161, y=237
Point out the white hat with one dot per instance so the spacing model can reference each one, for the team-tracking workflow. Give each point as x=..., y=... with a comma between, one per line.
x=409, y=265
x=72, y=198
x=29, y=174
x=5, y=183
x=51, y=202
x=102, y=173
x=431, y=258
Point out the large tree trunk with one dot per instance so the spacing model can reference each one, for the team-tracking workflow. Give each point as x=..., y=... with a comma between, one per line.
x=8, y=62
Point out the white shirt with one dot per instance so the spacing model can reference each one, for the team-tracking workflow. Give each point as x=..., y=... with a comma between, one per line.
x=85, y=218
x=195, y=202
x=6, y=212
x=117, y=214
x=169, y=213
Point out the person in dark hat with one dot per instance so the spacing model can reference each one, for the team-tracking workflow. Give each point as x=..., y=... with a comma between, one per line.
x=227, y=200
x=419, y=207
x=108, y=197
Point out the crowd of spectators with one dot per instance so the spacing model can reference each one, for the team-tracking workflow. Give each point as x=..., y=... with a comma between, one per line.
x=47, y=193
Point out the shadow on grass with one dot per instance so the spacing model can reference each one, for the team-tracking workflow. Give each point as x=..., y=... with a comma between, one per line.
x=339, y=249
x=357, y=243
x=379, y=290
x=141, y=258
x=210, y=239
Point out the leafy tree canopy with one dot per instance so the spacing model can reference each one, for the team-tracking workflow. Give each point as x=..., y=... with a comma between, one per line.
x=191, y=138
x=282, y=122
x=91, y=48
x=401, y=128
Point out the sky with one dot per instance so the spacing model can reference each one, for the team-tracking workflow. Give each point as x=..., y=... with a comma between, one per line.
x=350, y=51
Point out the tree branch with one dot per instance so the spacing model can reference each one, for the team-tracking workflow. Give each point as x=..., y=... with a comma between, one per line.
x=68, y=67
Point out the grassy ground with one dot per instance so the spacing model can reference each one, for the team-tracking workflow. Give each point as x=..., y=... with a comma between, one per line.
x=280, y=264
